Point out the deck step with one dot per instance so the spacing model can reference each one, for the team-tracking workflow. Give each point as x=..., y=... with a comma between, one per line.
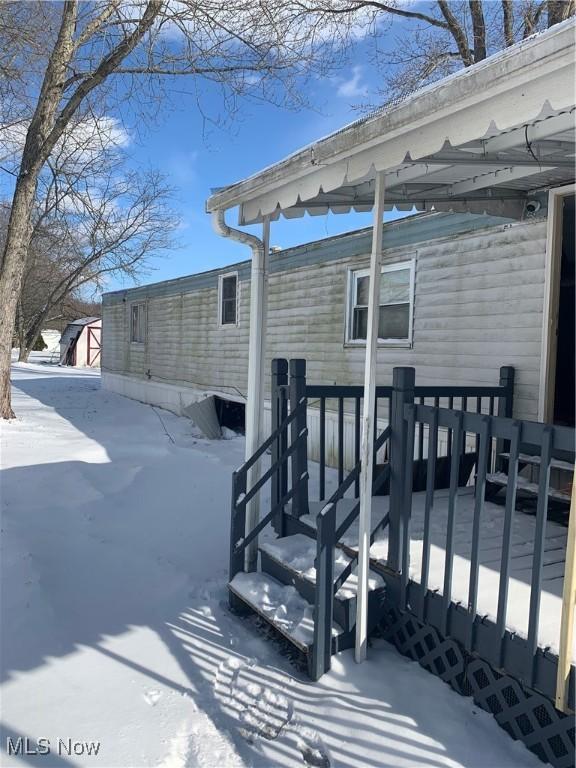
x=290, y=560
x=283, y=608
x=525, y=458
x=526, y=487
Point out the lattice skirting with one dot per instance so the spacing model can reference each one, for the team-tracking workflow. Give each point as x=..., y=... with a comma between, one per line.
x=522, y=712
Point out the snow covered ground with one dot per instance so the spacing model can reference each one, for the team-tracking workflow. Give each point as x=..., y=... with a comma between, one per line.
x=114, y=622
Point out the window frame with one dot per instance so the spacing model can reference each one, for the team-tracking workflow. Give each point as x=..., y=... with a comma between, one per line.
x=144, y=310
x=353, y=275
x=221, y=279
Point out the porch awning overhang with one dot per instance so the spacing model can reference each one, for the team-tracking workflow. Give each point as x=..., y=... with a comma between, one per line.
x=481, y=140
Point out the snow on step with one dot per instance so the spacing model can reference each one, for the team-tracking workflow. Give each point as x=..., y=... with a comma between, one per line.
x=522, y=484
x=380, y=506
x=298, y=553
x=281, y=605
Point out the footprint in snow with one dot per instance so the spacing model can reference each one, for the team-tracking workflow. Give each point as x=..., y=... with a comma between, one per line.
x=313, y=753
x=261, y=712
x=152, y=697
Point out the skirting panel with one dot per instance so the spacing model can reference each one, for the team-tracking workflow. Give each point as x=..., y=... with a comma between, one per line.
x=161, y=394
x=525, y=714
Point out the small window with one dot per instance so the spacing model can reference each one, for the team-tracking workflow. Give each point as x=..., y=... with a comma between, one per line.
x=138, y=323
x=228, y=299
x=396, y=304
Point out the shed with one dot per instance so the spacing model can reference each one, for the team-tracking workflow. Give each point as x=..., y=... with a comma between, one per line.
x=80, y=344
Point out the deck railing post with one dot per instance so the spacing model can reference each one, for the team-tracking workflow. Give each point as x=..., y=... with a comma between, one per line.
x=402, y=393
x=324, y=598
x=505, y=408
x=279, y=379
x=300, y=456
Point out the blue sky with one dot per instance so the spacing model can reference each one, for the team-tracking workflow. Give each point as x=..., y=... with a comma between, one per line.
x=197, y=156
x=197, y=159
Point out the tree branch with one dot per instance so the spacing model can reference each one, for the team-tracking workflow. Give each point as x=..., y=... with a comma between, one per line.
x=92, y=27
x=379, y=7
x=457, y=33
x=532, y=17
x=106, y=66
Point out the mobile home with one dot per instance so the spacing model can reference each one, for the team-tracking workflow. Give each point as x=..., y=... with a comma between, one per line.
x=456, y=318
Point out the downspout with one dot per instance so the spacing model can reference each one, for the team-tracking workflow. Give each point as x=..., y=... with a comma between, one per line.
x=255, y=393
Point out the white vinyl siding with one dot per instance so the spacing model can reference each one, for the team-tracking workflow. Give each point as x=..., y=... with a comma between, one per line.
x=478, y=302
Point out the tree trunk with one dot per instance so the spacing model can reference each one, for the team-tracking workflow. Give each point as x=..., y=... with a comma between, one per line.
x=21, y=331
x=508, y=17
x=11, y=271
x=40, y=140
x=559, y=10
x=22, y=353
x=479, y=30
x=24, y=348
x=32, y=337
x=457, y=33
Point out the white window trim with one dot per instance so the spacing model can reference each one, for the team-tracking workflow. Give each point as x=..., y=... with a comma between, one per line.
x=139, y=304
x=355, y=273
x=220, y=281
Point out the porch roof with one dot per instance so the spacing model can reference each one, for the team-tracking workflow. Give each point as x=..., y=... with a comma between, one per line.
x=479, y=140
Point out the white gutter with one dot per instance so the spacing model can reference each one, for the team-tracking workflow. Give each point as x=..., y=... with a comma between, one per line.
x=255, y=393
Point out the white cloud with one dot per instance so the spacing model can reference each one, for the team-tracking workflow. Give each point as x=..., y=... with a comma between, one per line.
x=86, y=138
x=353, y=88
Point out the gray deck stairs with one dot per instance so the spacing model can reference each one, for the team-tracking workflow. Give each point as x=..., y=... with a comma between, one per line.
x=527, y=480
x=282, y=593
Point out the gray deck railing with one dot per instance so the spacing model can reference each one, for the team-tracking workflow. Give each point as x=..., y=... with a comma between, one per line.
x=292, y=449
x=348, y=400
x=290, y=391
x=329, y=536
x=490, y=638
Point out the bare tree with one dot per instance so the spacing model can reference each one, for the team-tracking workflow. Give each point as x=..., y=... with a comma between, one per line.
x=100, y=232
x=435, y=38
x=91, y=220
x=100, y=54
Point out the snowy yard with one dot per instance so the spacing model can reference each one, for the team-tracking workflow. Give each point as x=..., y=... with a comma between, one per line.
x=114, y=621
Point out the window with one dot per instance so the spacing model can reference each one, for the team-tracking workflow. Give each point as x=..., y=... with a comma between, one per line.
x=138, y=323
x=396, y=304
x=228, y=299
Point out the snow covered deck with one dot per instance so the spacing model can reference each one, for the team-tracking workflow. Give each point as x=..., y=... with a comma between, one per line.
x=491, y=533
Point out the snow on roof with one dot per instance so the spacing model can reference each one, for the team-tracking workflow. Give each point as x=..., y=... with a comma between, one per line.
x=84, y=321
